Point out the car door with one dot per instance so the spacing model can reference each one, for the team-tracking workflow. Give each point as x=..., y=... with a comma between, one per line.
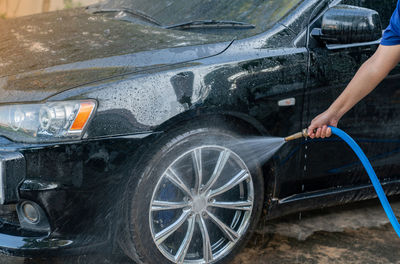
x=374, y=122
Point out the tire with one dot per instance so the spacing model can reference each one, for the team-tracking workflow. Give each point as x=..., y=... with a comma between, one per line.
x=213, y=217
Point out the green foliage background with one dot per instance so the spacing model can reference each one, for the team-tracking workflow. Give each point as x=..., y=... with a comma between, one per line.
x=71, y=3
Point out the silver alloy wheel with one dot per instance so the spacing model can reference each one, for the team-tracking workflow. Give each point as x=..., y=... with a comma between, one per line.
x=201, y=205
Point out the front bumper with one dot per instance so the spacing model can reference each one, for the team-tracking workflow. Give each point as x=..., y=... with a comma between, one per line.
x=12, y=173
x=15, y=243
x=17, y=236
x=78, y=187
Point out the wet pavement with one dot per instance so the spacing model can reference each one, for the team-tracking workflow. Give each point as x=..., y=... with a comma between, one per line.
x=357, y=233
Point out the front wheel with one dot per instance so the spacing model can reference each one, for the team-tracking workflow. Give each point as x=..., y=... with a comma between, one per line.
x=196, y=201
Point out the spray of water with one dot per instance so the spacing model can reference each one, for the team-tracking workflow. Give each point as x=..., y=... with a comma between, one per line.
x=260, y=148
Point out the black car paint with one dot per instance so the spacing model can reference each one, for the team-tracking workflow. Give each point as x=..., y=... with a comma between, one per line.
x=39, y=61
x=373, y=121
x=340, y=20
x=241, y=80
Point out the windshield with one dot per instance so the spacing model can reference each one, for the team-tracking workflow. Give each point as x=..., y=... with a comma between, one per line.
x=263, y=14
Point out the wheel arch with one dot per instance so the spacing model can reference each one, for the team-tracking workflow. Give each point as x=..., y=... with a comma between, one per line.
x=249, y=124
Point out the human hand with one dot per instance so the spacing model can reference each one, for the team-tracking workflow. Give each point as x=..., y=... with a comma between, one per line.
x=319, y=125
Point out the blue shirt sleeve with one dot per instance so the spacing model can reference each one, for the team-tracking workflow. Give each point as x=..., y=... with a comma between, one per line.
x=391, y=36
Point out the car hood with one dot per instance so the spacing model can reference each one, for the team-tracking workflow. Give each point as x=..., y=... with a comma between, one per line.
x=45, y=54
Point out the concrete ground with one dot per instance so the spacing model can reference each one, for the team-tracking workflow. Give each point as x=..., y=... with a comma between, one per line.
x=357, y=233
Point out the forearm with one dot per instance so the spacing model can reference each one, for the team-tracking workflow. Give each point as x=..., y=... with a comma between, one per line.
x=371, y=73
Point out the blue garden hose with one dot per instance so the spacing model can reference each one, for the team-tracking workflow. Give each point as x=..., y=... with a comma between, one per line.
x=372, y=175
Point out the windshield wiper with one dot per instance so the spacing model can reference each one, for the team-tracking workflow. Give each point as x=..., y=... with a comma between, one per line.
x=211, y=24
x=130, y=12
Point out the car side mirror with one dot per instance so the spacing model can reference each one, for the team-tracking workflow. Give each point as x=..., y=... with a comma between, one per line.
x=345, y=24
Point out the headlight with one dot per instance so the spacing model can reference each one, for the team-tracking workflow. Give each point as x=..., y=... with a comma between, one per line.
x=49, y=122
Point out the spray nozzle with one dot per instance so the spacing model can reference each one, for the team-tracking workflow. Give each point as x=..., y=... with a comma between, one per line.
x=303, y=133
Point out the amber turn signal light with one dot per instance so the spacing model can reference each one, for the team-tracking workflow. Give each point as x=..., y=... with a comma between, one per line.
x=85, y=111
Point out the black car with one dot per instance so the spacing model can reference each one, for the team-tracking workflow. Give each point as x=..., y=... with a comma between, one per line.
x=142, y=124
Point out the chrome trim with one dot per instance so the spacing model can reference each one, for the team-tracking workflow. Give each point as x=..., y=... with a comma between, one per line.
x=352, y=45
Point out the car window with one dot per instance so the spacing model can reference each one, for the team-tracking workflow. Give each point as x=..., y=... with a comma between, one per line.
x=263, y=14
